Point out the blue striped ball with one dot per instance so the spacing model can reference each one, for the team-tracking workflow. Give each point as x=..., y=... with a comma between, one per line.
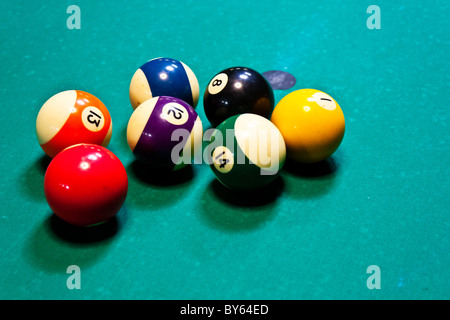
x=164, y=77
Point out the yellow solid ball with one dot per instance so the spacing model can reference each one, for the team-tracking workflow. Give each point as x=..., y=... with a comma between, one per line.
x=312, y=124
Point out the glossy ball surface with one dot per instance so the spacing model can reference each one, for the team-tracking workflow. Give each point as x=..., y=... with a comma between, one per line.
x=247, y=152
x=72, y=117
x=236, y=91
x=85, y=184
x=164, y=77
x=165, y=132
x=312, y=124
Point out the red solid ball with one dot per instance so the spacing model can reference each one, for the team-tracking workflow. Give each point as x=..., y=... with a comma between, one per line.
x=85, y=184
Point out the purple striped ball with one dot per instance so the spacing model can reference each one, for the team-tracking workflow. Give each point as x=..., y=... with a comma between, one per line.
x=165, y=132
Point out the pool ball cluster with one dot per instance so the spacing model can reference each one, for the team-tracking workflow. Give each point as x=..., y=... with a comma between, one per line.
x=86, y=184
x=306, y=126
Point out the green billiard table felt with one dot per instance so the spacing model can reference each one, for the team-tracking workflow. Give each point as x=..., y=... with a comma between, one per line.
x=382, y=199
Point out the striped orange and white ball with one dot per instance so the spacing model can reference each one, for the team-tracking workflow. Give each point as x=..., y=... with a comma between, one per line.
x=72, y=117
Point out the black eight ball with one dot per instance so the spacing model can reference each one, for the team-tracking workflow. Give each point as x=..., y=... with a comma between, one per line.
x=236, y=91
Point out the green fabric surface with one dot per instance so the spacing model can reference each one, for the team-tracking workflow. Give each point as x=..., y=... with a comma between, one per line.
x=382, y=199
